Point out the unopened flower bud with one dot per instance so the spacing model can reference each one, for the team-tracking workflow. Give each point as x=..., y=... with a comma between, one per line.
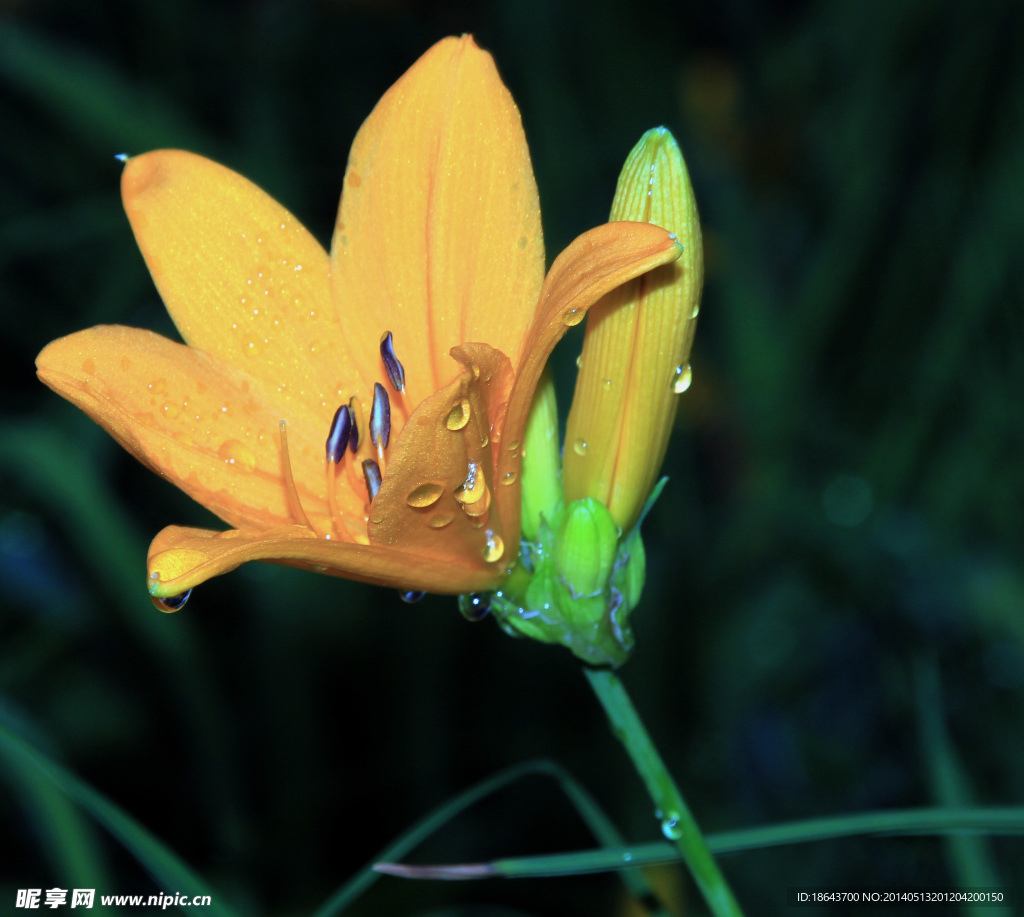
x=635, y=361
x=585, y=547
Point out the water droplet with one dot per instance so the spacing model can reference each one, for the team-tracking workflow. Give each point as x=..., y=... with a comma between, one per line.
x=411, y=596
x=173, y=602
x=253, y=348
x=493, y=548
x=580, y=447
x=579, y=361
x=607, y=383
x=573, y=317
x=440, y=520
x=458, y=416
x=480, y=506
x=170, y=410
x=485, y=440
x=238, y=454
x=88, y=366
x=627, y=858
x=377, y=517
x=683, y=378
x=510, y=477
x=473, y=488
x=475, y=606
x=671, y=827
x=158, y=387
x=695, y=311
x=425, y=495
x=512, y=446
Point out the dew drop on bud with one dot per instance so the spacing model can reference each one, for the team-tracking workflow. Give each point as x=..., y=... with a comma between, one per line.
x=682, y=379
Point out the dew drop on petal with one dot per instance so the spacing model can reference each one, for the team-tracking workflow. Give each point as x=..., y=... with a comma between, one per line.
x=682, y=378
x=480, y=505
x=440, y=520
x=475, y=606
x=510, y=477
x=238, y=454
x=573, y=317
x=158, y=387
x=170, y=410
x=494, y=547
x=425, y=495
x=173, y=602
x=580, y=447
x=458, y=416
x=473, y=488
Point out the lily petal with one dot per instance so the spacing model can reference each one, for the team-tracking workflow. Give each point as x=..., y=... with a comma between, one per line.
x=438, y=495
x=182, y=558
x=242, y=279
x=438, y=237
x=209, y=427
x=593, y=264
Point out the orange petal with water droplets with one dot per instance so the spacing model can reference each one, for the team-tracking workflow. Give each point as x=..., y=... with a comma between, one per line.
x=208, y=427
x=438, y=237
x=182, y=558
x=241, y=277
x=437, y=496
x=593, y=264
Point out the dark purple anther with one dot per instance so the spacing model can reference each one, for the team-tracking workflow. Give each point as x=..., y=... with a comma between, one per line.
x=395, y=370
x=371, y=471
x=380, y=417
x=341, y=430
x=353, y=442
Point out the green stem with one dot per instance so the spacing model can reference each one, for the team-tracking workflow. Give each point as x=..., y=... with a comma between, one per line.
x=677, y=822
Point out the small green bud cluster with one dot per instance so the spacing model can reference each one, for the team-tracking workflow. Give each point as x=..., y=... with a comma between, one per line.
x=576, y=584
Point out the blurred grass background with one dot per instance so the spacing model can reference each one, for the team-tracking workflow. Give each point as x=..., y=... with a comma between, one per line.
x=834, y=616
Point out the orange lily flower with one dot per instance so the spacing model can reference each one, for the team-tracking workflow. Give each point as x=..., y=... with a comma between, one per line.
x=438, y=241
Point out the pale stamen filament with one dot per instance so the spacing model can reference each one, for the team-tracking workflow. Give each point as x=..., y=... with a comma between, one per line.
x=291, y=491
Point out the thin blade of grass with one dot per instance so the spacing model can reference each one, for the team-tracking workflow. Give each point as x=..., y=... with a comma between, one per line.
x=592, y=814
x=67, y=837
x=970, y=857
x=170, y=873
x=957, y=822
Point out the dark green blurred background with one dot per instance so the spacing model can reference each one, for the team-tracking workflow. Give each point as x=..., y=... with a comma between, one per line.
x=834, y=615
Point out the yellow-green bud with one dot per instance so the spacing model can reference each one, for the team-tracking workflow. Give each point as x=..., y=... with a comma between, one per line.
x=634, y=364
x=585, y=548
x=541, y=473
